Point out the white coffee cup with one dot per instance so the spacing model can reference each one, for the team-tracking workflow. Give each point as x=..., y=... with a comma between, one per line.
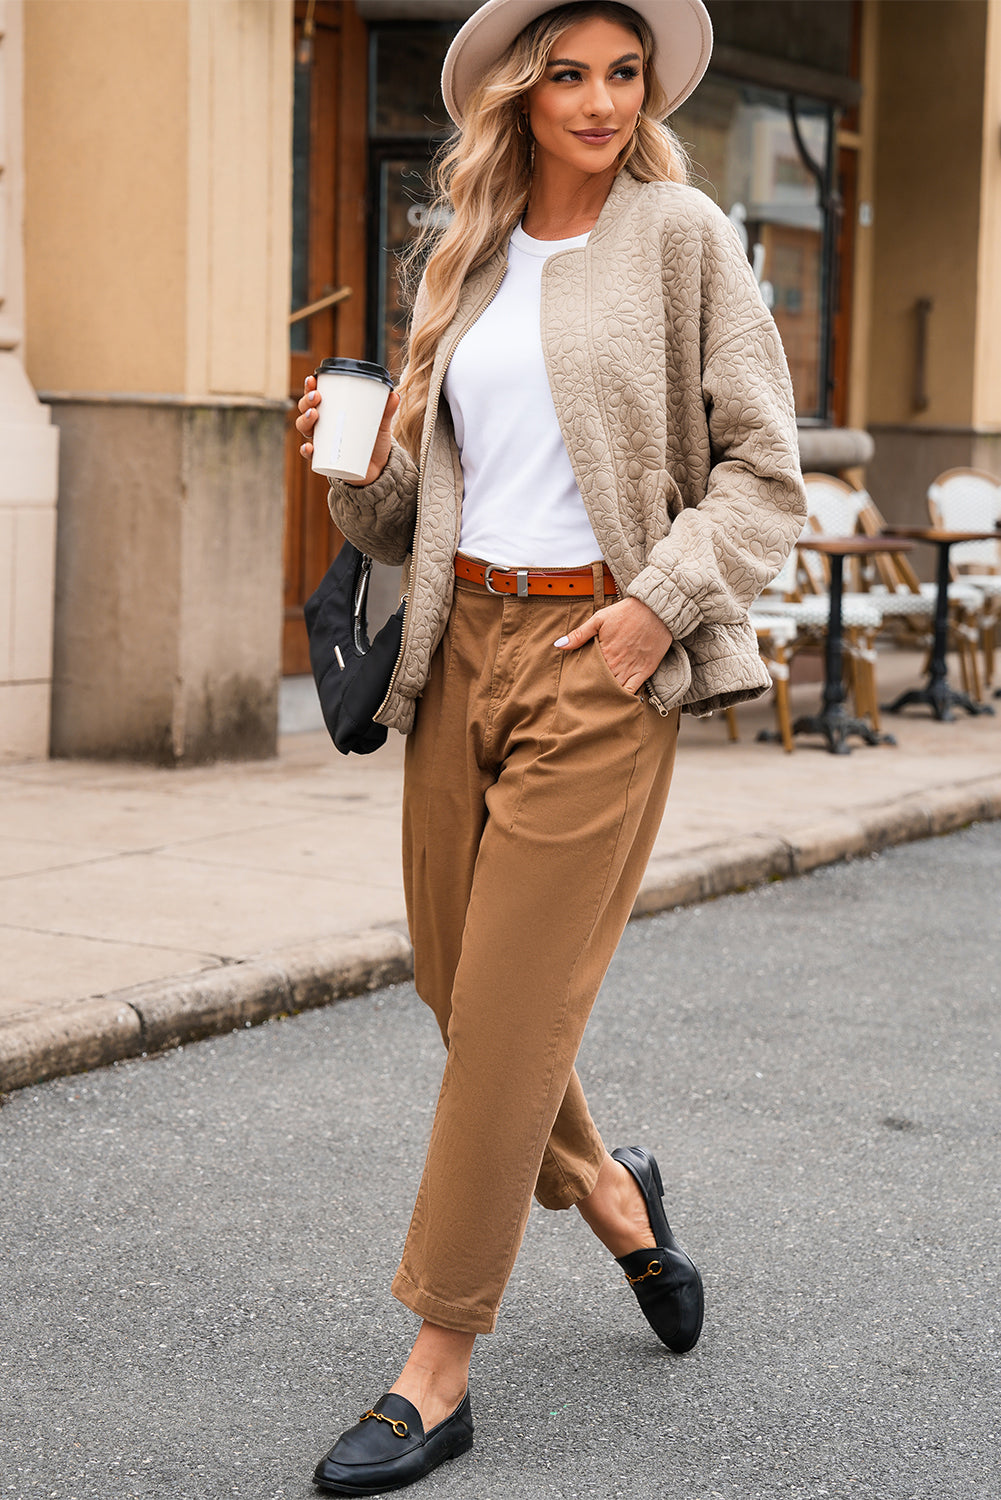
x=353, y=399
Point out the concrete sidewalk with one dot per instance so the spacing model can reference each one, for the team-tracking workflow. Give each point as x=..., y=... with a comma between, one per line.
x=142, y=908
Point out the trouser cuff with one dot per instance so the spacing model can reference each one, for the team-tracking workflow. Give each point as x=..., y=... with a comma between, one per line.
x=558, y=1191
x=444, y=1314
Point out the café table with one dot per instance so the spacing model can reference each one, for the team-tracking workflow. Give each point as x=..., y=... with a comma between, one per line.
x=833, y=722
x=937, y=693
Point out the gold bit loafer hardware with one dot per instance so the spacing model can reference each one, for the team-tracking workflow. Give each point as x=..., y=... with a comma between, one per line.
x=400, y=1428
x=665, y=1281
x=388, y=1448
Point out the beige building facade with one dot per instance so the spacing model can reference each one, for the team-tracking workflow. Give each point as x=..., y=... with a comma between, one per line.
x=178, y=176
x=156, y=242
x=28, y=450
x=931, y=330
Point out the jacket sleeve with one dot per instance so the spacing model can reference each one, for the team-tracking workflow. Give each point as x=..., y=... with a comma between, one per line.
x=379, y=517
x=720, y=553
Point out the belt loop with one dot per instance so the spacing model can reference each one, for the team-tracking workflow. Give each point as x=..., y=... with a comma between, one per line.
x=598, y=574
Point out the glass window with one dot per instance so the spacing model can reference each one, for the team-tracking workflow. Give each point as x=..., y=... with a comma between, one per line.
x=745, y=155
x=407, y=124
x=402, y=193
x=405, y=85
x=817, y=33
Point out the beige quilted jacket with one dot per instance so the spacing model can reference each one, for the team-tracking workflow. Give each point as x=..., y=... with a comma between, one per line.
x=674, y=401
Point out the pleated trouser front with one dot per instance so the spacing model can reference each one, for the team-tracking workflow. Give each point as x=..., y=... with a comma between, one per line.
x=534, y=789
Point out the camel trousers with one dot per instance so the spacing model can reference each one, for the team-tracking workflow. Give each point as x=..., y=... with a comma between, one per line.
x=534, y=788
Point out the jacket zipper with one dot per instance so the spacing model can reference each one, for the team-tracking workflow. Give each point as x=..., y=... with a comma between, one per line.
x=653, y=697
x=433, y=400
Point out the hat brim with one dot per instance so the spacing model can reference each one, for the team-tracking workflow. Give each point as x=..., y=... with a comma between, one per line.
x=682, y=31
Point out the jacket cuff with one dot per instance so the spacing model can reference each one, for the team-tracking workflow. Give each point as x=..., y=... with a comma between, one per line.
x=679, y=612
x=398, y=471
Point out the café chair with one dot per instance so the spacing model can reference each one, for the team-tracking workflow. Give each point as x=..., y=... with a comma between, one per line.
x=833, y=508
x=970, y=500
x=798, y=594
x=909, y=605
x=775, y=634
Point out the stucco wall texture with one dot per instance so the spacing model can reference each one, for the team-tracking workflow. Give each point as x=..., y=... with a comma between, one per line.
x=158, y=168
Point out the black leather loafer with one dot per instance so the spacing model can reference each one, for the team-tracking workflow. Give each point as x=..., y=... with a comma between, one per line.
x=389, y=1449
x=668, y=1287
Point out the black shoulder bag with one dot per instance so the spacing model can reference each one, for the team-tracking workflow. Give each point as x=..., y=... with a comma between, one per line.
x=352, y=675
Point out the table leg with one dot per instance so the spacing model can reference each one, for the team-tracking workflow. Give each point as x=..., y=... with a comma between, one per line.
x=940, y=697
x=832, y=721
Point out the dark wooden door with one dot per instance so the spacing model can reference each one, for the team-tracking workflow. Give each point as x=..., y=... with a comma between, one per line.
x=328, y=255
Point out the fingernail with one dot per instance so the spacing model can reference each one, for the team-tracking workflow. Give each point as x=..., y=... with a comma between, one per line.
x=564, y=640
x=302, y=449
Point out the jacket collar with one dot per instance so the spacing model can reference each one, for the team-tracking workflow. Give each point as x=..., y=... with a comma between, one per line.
x=621, y=194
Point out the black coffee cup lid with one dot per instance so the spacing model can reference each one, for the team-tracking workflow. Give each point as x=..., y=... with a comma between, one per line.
x=355, y=367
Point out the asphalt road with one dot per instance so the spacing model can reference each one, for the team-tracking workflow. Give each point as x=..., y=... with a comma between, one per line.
x=195, y=1249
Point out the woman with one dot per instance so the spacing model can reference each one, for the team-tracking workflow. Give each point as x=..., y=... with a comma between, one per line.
x=594, y=464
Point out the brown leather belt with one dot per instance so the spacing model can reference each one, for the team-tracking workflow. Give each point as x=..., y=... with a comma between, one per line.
x=526, y=581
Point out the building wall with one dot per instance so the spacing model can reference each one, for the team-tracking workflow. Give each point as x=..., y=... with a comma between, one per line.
x=158, y=573
x=157, y=159
x=28, y=447
x=863, y=268
x=936, y=169
x=987, y=374
x=239, y=234
x=106, y=160
x=159, y=162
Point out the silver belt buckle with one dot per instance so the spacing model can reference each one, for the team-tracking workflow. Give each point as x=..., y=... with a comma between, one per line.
x=521, y=575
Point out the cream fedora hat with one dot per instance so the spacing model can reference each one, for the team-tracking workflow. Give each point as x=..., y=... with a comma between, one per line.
x=681, y=28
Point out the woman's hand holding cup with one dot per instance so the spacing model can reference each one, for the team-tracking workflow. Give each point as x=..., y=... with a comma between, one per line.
x=306, y=420
x=309, y=404
x=380, y=453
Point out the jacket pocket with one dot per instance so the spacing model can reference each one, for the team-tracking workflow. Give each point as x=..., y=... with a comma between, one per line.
x=673, y=678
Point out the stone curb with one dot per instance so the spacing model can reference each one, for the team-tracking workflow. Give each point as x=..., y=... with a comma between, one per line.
x=163, y=1013
x=83, y=1034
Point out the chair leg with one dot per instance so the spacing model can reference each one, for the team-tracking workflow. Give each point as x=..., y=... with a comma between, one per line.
x=871, y=683
x=961, y=644
x=863, y=678
x=987, y=643
x=780, y=672
x=733, y=733
x=855, y=672
x=971, y=635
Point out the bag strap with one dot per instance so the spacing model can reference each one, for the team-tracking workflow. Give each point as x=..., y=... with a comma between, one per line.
x=359, y=611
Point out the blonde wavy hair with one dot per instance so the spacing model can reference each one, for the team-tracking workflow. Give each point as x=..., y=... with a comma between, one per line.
x=481, y=180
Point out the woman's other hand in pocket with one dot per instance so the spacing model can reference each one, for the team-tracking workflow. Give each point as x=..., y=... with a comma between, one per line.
x=631, y=638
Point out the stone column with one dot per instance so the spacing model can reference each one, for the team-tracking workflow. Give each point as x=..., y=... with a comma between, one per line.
x=28, y=448
x=987, y=351
x=158, y=151
x=934, y=379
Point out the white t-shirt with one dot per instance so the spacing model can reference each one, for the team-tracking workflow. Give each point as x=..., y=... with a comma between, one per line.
x=521, y=505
